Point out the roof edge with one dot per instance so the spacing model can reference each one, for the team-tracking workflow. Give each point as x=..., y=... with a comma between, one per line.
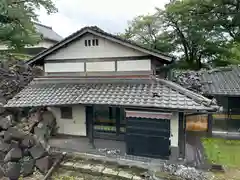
x=197, y=97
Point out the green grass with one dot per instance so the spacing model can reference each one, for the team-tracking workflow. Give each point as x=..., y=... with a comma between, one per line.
x=222, y=151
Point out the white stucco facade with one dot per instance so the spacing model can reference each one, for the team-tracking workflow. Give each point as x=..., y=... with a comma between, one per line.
x=100, y=66
x=174, y=129
x=106, y=48
x=134, y=65
x=76, y=125
x=64, y=67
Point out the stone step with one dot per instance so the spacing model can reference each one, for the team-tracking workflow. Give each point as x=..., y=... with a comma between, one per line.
x=99, y=169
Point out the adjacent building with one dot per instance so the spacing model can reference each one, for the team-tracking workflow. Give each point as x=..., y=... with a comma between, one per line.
x=49, y=38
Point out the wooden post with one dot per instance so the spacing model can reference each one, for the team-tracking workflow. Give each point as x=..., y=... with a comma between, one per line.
x=118, y=119
x=90, y=124
x=182, y=134
x=210, y=121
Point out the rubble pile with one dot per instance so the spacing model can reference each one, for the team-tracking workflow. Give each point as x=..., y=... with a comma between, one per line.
x=188, y=79
x=13, y=78
x=187, y=173
x=23, y=144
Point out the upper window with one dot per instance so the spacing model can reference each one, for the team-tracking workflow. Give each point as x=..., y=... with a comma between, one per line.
x=91, y=42
x=96, y=42
x=66, y=112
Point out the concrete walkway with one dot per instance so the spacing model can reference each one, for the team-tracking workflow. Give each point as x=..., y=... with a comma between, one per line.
x=81, y=146
x=195, y=155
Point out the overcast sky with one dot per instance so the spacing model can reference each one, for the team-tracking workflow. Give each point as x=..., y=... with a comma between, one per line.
x=110, y=15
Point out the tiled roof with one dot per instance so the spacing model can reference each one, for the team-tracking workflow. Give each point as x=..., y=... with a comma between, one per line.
x=100, y=32
x=156, y=93
x=222, y=81
x=47, y=32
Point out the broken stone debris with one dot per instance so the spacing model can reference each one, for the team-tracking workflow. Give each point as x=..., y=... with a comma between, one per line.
x=37, y=151
x=28, y=164
x=184, y=172
x=12, y=170
x=27, y=142
x=5, y=123
x=13, y=134
x=4, y=147
x=44, y=164
x=107, y=151
x=13, y=155
x=22, y=151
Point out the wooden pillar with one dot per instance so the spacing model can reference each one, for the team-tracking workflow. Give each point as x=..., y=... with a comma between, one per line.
x=210, y=122
x=118, y=119
x=90, y=123
x=182, y=134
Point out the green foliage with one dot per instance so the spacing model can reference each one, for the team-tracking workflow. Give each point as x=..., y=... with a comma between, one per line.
x=64, y=178
x=16, y=21
x=198, y=32
x=221, y=151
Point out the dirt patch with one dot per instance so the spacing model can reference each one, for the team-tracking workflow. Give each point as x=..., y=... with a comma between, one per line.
x=229, y=174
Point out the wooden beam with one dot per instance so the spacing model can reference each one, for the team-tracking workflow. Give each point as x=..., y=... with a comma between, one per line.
x=118, y=119
x=210, y=121
x=90, y=123
x=182, y=134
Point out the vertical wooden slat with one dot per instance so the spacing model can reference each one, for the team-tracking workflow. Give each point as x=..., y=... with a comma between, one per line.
x=90, y=123
x=182, y=134
x=210, y=123
x=118, y=119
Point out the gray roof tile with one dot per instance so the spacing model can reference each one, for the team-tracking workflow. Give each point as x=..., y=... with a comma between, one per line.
x=125, y=92
x=223, y=81
x=47, y=32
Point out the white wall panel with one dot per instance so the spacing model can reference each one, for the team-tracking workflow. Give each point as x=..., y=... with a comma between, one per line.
x=106, y=48
x=174, y=129
x=74, y=126
x=134, y=65
x=100, y=66
x=64, y=67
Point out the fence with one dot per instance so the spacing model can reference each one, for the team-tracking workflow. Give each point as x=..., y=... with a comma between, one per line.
x=221, y=121
x=197, y=122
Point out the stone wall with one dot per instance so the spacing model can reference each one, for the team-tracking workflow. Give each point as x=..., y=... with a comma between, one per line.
x=23, y=144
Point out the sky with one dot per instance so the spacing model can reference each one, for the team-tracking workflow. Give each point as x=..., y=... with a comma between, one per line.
x=110, y=15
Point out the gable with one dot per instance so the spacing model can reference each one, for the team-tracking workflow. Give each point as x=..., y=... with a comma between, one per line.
x=105, y=48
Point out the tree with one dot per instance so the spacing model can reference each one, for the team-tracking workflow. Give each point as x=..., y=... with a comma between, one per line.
x=199, y=32
x=17, y=21
x=145, y=30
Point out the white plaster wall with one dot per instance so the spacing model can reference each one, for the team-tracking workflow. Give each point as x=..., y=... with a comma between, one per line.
x=106, y=48
x=174, y=129
x=100, y=66
x=134, y=65
x=64, y=67
x=74, y=126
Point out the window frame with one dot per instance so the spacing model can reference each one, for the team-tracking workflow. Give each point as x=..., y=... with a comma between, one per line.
x=89, y=42
x=66, y=112
x=96, y=42
x=93, y=42
x=86, y=42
